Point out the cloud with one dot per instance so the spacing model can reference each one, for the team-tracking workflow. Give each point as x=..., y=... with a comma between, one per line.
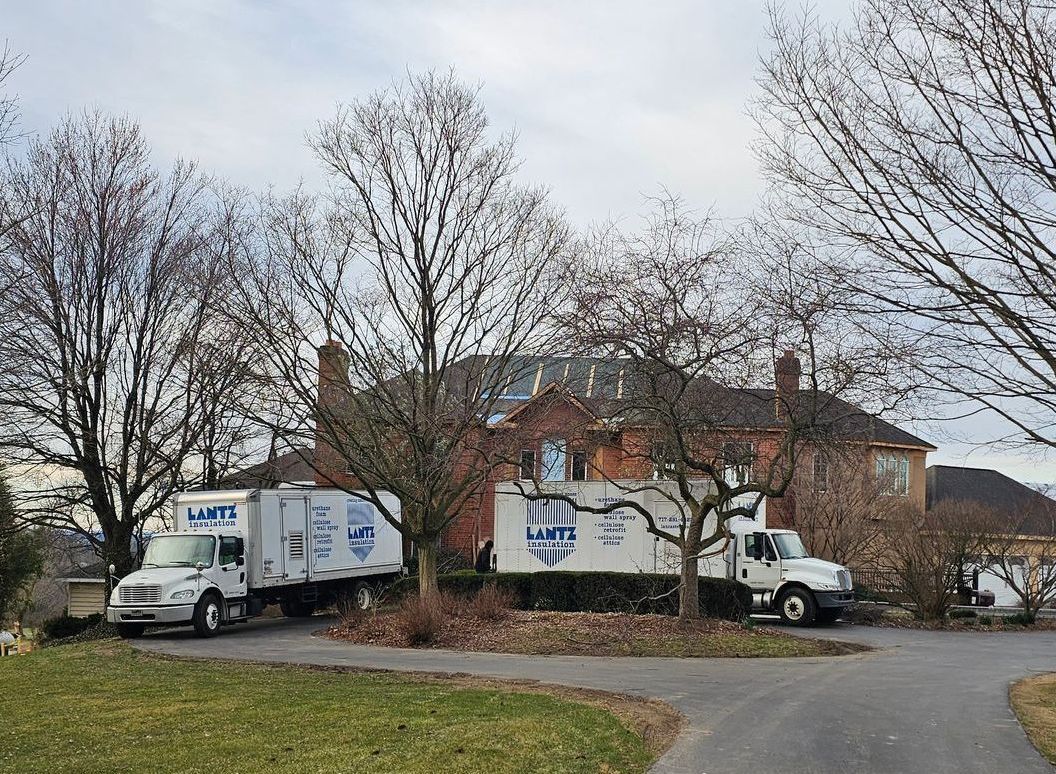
x=611, y=99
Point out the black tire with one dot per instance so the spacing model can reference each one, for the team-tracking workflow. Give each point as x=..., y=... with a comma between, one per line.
x=365, y=595
x=296, y=608
x=208, y=615
x=797, y=607
x=828, y=615
x=130, y=631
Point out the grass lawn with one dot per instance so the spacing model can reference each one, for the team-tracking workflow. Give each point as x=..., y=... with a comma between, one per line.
x=104, y=707
x=1034, y=701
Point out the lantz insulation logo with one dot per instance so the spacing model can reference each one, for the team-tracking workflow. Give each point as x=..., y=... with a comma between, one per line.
x=213, y=516
x=360, y=529
x=551, y=530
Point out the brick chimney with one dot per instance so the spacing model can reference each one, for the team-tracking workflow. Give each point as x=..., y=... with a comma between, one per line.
x=787, y=370
x=333, y=371
x=333, y=385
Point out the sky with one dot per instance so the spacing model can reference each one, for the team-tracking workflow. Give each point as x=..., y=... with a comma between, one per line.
x=610, y=100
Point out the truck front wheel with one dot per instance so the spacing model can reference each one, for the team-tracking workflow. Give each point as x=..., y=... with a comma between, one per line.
x=130, y=631
x=207, y=616
x=797, y=607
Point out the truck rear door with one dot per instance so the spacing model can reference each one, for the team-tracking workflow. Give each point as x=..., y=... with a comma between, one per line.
x=295, y=537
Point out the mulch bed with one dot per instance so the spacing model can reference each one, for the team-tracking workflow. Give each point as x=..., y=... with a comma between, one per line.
x=591, y=634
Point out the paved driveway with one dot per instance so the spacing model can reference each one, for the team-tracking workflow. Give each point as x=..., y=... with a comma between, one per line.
x=925, y=702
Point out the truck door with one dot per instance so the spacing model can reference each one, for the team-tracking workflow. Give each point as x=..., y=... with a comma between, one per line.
x=763, y=573
x=295, y=537
x=232, y=561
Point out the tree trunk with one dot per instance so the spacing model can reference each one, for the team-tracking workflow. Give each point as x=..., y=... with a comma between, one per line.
x=689, y=594
x=427, y=585
x=117, y=548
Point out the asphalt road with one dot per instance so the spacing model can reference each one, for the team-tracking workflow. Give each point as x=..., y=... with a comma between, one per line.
x=924, y=702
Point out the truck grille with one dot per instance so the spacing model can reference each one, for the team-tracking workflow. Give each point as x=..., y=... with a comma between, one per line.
x=140, y=594
x=845, y=579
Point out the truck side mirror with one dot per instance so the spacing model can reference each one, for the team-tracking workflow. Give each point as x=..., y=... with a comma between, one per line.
x=240, y=560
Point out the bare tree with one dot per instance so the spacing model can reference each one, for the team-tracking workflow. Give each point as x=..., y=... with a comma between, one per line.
x=9, y=62
x=696, y=320
x=106, y=335
x=1019, y=548
x=919, y=144
x=428, y=270
x=930, y=554
x=841, y=507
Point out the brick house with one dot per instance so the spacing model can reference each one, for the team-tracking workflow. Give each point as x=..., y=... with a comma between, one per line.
x=555, y=412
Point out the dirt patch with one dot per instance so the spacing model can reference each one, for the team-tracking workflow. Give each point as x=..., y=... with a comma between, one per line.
x=593, y=634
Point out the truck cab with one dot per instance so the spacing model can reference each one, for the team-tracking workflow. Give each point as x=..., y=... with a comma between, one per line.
x=196, y=577
x=785, y=579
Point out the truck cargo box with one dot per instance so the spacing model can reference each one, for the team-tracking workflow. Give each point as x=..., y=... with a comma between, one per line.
x=296, y=536
x=534, y=535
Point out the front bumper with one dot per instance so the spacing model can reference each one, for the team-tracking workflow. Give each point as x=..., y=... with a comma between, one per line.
x=834, y=598
x=158, y=614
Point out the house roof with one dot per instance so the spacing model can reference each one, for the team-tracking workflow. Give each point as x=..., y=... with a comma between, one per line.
x=996, y=491
x=600, y=383
x=289, y=468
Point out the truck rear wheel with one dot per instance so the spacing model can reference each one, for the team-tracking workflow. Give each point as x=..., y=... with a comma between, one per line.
x=130, y=631
x=797, y=607
x=296, y=608
x=364, y=595
x=206, y=617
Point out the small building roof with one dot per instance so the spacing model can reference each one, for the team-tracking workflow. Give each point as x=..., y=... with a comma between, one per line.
x=289, y=468
x=996, y=491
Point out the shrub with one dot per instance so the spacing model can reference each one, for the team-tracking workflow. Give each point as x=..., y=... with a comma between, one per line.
x=986, y=620
x=491, y=603
x=67, y=626
x=420, y=620
x=597, y=592
x=1020, y=619
x=963, y=614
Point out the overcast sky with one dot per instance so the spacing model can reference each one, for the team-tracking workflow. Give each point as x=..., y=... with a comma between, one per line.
x=610, y=99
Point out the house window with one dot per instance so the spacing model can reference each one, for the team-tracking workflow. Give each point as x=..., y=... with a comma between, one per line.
x=892, y=474
x=553, y=461
x=528, y=464
x=579, y=466
x=737, y=457
x=821, y=472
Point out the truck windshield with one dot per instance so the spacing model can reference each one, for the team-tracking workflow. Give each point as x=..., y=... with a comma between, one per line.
x=179, y=551
x=789, y=545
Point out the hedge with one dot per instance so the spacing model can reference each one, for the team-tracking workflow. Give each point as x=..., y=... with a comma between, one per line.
x=67, y=626
x=599, y=592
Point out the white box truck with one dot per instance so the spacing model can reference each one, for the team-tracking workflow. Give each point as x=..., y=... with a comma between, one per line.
x=537, y=535
x=234, y=552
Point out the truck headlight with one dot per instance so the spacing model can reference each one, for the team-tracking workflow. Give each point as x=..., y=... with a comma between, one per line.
x=182, y=594
x=828, y=586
